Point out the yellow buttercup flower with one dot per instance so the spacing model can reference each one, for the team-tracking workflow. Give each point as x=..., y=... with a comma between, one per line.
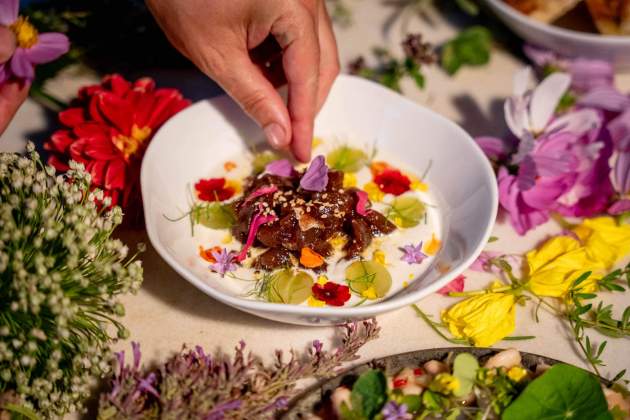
x=379, y=257
x=444, y=383
x=416, y=184
x=373, y=191
x=349, y=180
x=370, y=293
x=482, y=319
x=605, y=241
x=322, y=280
x=557, y=264
x=517, y=373
x=315, y=302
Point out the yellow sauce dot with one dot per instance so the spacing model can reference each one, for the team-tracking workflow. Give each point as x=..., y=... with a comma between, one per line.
x=411, y=276
x=229, y=165
x=227, y=239
x=405, y=284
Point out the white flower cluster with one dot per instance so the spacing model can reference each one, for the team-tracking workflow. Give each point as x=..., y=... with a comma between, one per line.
x=61, y=274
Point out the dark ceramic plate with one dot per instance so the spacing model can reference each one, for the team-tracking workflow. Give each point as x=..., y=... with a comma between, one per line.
x=304, y=405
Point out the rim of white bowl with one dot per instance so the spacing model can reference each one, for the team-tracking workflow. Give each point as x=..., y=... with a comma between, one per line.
x=324, y=312
x=619, y=40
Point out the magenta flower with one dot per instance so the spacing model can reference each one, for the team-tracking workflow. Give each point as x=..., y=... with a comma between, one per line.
x=316, y=176
x=412, y=254
x=281, y=167
x=32, y=47
x=225, y=262
x=456, y=285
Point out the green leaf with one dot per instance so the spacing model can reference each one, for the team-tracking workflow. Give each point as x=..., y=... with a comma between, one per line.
x=471, y=47
x=407, y=211
x=262, y=159
x=369, y=393
x=214, y=215
x=347, y=159
x=492, y=239
x=465, y=367
x=413, y=402
x=450, y=60
x=563, y=392
x=468, y=6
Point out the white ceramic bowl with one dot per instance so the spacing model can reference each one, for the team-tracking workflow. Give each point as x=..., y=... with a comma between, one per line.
x=210, y=132
x=564, y=41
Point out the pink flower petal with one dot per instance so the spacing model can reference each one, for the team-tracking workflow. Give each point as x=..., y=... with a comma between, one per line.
x=578, y=122
x=545, y=99
x=457, y=285
x=605, y=97
x=316, y=176
x=257, y=221
x=49, y=46
x=21, y=66
x=587, y=74
x=619, y=207
x=621, y=173
x=619, y=129
x=481, y=263
x=9, y=11
x=264, y=190
x=281, y=167
x=362, y=201
x=493, y=147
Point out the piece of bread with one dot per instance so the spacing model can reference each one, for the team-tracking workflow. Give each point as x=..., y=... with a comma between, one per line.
x=544, y=10
x=612, y=17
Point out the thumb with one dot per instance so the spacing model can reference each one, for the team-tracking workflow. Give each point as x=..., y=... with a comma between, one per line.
x=7, y=44
x=248, y=86
x=12, y=94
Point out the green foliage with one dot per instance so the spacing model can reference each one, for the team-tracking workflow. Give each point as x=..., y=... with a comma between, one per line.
x=369, y=394
x=470, y=47
x=563, y=392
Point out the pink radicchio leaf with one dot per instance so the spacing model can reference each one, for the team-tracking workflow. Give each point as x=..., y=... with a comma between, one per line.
x=257, y=221
x=362, y=201
x=264, y=190
x=281, y=168
x=316, y=176
x=457, y=285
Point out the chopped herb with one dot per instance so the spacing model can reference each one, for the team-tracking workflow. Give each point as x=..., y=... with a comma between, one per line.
x=471, y=47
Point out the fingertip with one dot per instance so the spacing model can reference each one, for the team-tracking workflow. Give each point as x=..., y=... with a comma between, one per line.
x=302, y=144
x=276, y=135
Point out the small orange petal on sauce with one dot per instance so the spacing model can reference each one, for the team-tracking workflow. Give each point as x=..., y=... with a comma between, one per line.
x=229, y=165
x=433, y=246
x=310, y=258
x=206, y=254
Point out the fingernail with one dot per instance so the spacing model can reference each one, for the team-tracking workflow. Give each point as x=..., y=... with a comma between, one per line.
x=275, y=135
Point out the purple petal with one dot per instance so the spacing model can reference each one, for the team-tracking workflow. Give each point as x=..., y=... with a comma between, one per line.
x=605, y=97
x=527, y=173
x=522, y=216
x=577, y=122
x=539, y=56
x=280, y=167
x=49, y=46
x=619, y=207
x=316, y=176
x=136, y=354
x=587, y=74
x=619, y=130
x=9, y=11
x=621, y=173
x=525, y=147
x=21, y=66
x=493, y=147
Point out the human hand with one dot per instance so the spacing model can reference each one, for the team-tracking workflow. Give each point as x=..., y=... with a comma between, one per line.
x=12, y=92
x=218, y=36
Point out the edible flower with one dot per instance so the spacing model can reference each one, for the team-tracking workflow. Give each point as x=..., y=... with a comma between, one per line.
x=557, y=264
x=206, y=254
x=333, y=294
x=314, y=302
x=229, y=166
x=370, y=293
x=257, y=221
x=31, y=47
x=214, y=189
x=433, y=246
x=482, y=319
x=392, y=181
x=281, y=167
x=412, y=254
x=394, y=411
x=264, y=190
x=224, y=262
x=310, y=258
x=373, y=191
x=444, y=383
x=377, y=167
x=456, y=285
x=349, y=180
x=517, y=373
x=379, y=257
x=620, y=175
x=604, y=239
x=316, y=176
x=362, y=202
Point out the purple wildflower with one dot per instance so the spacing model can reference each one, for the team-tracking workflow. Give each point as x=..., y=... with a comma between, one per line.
x=316, y=176
x=395, y=411
x=225, y=262
x=218, y=412
x=621, y=182
x=280, y=167
x=32, y=47
x=412, y=254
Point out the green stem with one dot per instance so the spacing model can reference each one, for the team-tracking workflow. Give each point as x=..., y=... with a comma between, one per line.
x=433, y=326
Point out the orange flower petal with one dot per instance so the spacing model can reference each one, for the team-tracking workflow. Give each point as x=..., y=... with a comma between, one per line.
x=229, y=165
x=206, y=254
x=310, y=258
x=433, y=246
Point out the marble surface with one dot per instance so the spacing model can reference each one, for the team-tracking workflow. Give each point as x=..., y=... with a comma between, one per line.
x=168, y=312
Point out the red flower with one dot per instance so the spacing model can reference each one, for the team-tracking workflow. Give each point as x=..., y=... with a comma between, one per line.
x=392, y=181
x=108, y=129
x=213, y=189
x=332, y=293
x=456, y=285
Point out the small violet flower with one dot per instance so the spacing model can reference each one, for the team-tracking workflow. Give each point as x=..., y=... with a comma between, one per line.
x=412, y=254
x=225, y=262
x=621, y=182
x=395, y=411
x=281, y=167
x=316, y=176
x=31, y=47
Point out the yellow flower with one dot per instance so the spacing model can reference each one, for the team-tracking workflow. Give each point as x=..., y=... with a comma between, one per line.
x=374, y=193
x=605, y=241
x=482, y=319
x=234, y=183
x=433, y=246
x=338, y=241
x=557, y=264
x=322, y=280
x=316, y=142
x=349, y=180
x=369, y=293
x=315, y=302
x=416, y=184
x=517, y=373
x=444, y=383
x=379, y=257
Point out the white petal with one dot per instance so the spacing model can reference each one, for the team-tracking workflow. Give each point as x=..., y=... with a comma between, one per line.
x=546, y=98
x=522, y=81
x=515, y=110
x=578, y=122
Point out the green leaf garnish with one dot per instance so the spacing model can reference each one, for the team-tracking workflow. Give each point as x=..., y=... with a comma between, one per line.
x=471, y=47
x=563, y=392
x=262, y=159
x=289, y=286
x=406, y=211
x=213, y=215
x=369, y=393
x=347, y=159
x=465, y=368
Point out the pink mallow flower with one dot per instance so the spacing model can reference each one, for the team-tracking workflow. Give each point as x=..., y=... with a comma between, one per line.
x=32, y=48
